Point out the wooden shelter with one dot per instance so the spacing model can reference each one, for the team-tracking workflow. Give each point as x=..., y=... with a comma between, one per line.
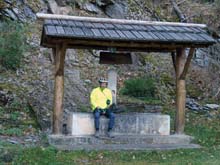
x=62, y=32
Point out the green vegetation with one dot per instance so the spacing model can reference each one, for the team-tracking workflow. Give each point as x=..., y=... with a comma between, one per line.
x=17, y=119
x=140, y=88
x=12, y=44
x=193, y=91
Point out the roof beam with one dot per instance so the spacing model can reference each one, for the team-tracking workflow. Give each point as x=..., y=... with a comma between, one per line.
x=92, y=44
x=109, y=20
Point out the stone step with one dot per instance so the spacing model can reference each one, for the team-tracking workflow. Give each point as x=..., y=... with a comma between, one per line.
x=80, y=124
x=121, y=147
x=130, y=140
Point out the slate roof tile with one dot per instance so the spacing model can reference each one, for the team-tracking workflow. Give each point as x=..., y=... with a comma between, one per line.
x=127, y=32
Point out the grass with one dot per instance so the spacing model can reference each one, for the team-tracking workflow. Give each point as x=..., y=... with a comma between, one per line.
x=206, y=132
x=50, y=155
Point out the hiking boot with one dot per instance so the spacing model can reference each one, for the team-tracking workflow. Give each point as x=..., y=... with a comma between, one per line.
x=97, y=134
x=110, y=134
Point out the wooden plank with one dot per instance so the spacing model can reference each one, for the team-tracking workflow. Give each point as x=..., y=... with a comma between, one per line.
x=198, y=37
x=119, y=26
x=112, y=33
x=176, y=37
x=173, y=36
x=71, y=23
x=88, y=24
x=167, y=29
x=58, y=89
x=97, y=33
x=115, y=58
x=195, y=30
x=98, y=25
x=138, y=27
x=200, y=30
x=184, y=37
x=146, y=35
x=88, y=32
x=109, y=26
x=207, y=37
x=190, y=36
x=104, y=33
x=48, y=22
x=179, y=29
x=64, y=22
x=133, y=49
x=180, y=93
x=150, y=28
x=127, y=27
x=160, y=36
x=60, y=30
x=122, y=35
x=155, y=37
x=77, y=31
x=167, y=36
x=128, y=34
x=188, y=29
x=137, y=34
x=51, y=30
x=158, y=28
x=55, y=22
x=78, y=23
x=68, y=30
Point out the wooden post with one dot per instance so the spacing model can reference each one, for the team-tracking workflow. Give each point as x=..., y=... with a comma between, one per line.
x=60, y=52
x=180, y=92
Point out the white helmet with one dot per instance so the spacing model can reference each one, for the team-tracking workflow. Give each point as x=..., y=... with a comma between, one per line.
x=102, y=80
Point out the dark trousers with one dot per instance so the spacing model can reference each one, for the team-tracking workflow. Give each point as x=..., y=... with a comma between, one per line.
x=108, y=113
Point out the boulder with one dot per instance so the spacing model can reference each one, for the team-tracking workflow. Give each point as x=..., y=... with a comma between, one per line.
x=117, y=10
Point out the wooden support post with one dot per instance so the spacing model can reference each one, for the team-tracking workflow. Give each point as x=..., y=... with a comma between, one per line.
x=59, y=88
x=180, y=92
x=182, y=66
x=173, y=55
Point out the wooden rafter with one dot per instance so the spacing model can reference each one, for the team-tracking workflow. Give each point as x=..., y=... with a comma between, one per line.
x=186, y=67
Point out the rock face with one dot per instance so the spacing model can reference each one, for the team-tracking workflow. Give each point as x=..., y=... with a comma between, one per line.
x=22, y=10
x=56, y=9
x=75, y=94
x=118, y=9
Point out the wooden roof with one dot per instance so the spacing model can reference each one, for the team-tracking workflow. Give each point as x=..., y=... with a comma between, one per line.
x=102, y=33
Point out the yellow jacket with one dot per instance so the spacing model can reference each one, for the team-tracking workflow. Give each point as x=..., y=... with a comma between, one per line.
x=98, y=98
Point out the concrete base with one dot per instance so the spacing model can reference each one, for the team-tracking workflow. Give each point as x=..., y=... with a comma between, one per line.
x=153, y=142
x=82, y=124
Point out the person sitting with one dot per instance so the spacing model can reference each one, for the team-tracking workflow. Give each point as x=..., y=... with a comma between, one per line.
x=101, y=101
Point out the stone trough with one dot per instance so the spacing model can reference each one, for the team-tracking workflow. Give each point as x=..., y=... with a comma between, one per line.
x=81, y=124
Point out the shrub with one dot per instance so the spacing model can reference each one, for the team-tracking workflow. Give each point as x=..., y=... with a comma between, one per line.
x=140, y=87
x=12, y=44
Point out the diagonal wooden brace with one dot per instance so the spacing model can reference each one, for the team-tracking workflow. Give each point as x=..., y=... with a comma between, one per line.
x=186, y=67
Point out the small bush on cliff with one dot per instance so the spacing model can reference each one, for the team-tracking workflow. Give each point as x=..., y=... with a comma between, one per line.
x=12, y=44
x=140, y=87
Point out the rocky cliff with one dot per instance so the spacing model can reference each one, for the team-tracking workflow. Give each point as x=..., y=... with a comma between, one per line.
x=33, y=83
